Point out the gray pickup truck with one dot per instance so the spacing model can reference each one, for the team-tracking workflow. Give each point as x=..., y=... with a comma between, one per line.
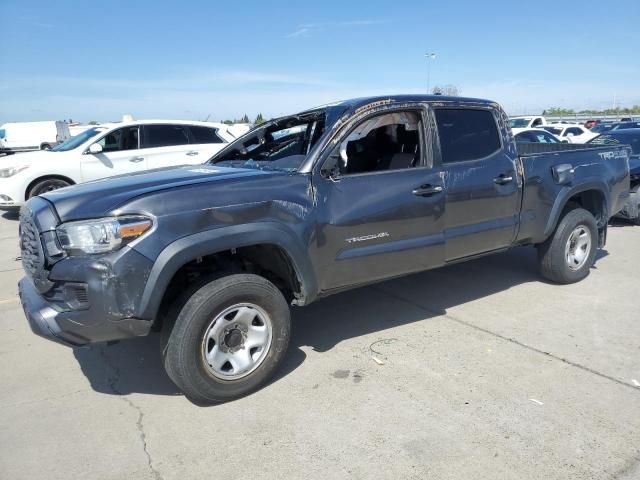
x=303, y=206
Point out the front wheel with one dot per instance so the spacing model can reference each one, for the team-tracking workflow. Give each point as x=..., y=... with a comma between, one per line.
x=569, y=253
x=47, y=185
x=228, y=338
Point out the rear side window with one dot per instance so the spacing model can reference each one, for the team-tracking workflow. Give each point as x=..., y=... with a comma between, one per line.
x=164, y=136
x=204, y=135
x=466, y=134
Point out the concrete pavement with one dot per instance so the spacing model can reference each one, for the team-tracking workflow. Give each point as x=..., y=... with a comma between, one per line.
x=478, y=370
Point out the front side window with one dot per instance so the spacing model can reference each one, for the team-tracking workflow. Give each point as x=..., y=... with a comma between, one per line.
x=466, y=134
x=164, y=136
x=386, y=142
x=119, y=140
x=200, y=135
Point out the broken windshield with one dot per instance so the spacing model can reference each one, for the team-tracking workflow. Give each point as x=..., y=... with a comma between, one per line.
x=282, y=144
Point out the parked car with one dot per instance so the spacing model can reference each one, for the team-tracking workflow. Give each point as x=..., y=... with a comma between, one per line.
x=28, y=136
x=302, y=207
x=526, y=121
x=534, y=135
x=617, y=126
x=570, y=132
x=108, y=150
x=589, y=124
x=631, y=137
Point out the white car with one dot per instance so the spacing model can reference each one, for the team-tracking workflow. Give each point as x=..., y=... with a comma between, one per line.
x=107, y=150
x=27, y=136
x=533, y=135
x=570, y=133
x=525, y=121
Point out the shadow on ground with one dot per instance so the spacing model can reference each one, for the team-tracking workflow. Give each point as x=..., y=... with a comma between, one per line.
x=11, y=215
x=136, y=366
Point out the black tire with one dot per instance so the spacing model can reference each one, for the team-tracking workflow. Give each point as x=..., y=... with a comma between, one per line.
x=635, y=196
x=45, y=146
x=184, y=339
x=46, y=185
x=552, y=254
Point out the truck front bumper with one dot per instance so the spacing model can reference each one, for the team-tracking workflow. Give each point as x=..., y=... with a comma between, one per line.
x=73, y=328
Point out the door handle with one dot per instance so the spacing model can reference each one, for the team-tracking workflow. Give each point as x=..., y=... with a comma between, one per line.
x=426, y=191
x=502, y=179
x=192, y=153
x=136, y=159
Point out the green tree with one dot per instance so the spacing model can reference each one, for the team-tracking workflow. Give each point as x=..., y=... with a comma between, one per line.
x=93, y=122
x=259, y=119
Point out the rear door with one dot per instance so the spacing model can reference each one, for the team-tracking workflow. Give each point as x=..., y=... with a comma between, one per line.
x=120, y=155
x=480, y=182
x=204, y=142
x=167, y=145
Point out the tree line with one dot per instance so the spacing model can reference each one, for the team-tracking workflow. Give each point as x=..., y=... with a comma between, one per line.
x=245, y=119
x=558, y=111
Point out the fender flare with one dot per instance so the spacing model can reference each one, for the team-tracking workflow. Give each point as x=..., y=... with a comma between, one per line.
x=209, y=242
x=566, y=193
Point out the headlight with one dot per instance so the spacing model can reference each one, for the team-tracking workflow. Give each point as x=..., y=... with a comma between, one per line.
x=11, y=171
x=101, y=235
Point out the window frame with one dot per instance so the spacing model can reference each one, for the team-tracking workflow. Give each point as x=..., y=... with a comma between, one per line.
x=424, y=118
x=142, y=138
x=494, y=115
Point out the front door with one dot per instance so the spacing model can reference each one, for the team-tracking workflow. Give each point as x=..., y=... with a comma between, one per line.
x=120, y=155
x=380, y=204
x=480, y=180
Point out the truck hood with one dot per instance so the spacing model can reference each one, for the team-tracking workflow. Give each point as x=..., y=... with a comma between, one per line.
x=98, y=198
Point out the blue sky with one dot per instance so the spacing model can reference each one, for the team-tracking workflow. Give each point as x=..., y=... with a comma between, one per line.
x=98, y=60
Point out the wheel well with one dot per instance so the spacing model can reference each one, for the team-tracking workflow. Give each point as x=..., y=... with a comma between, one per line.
x=592, y=201
x=267, y=260
x=46, y=177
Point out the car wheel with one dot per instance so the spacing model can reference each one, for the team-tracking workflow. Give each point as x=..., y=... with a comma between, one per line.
x=47, y=185
x=228, y=338
x=45, y=146
x=569, y=253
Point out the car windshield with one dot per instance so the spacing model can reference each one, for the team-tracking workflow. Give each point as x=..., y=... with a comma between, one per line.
x=282, y=144
x=613, y=139
x=602, y=127
x=78, y=140
x=554, y=130
x=519, y=122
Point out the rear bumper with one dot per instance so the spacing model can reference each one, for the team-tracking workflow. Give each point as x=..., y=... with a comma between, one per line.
x=68, y=328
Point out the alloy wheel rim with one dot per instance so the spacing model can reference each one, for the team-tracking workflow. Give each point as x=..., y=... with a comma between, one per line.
x=578, y=247
x=237, y=341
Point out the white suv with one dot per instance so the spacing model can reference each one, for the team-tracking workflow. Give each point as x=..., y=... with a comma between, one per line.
x=107, y=150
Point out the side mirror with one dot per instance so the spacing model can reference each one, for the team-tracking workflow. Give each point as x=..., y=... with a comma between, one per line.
x=95, y=148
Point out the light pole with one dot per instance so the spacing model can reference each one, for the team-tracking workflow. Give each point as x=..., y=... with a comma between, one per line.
x=430, y=56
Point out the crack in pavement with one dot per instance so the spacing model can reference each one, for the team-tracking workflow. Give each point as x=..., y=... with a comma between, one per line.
x=508, y=339
x=112, y=381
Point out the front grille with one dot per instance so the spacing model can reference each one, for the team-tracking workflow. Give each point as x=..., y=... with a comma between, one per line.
x=30, y=246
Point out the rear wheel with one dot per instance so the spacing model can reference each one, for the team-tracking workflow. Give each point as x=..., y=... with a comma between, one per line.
x=228, y=339
x=569, y=253
x=45, y=146
x=46, y=185
x=635, y=197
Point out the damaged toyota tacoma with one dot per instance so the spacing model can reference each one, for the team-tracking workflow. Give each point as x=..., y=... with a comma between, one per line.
x=302, y=207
